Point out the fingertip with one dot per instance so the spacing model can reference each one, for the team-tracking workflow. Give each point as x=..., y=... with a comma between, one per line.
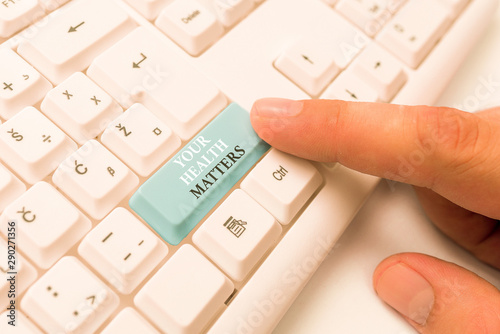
x=436, y=296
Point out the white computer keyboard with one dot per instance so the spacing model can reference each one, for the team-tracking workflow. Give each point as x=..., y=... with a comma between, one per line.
x=135, y=196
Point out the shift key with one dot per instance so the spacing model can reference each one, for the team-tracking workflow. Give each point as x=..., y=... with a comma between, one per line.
x=187, y=187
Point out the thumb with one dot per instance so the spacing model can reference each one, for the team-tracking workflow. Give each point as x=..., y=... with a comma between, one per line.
x=437, y=296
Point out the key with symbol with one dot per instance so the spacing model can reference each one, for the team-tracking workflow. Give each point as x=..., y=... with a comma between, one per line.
x=189, y=24
x=15, y=15
x=381, y=71
x=314, y=59
x=282, y=184
x=80, y=107
x=408, y=38
x=140, y=139
x=69, y=298
x=237, y=234
x=32, y=145
x=86, y=29
x=95, y=179
x=349, y=87
x=142, y=68
x=20, y=85
x=47, y=223
x=122, y=250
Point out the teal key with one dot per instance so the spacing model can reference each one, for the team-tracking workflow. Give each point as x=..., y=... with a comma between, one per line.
x=187, y=187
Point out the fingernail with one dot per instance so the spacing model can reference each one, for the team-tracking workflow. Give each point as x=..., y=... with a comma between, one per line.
x=276, y=107
x=407, y=292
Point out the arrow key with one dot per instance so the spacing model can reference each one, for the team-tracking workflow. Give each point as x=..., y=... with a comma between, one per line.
x=69, y=42
x=309, y=64
x=349, y=87
x=381, y=71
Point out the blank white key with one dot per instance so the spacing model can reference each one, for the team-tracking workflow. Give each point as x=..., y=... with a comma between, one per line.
x=148, y=8
x=349, y=87
x=50, y=5
x=80, y=107
x=282, y=184
x=185, y=293
x=229, y=12
x=414, y=31
x=369, y=15
x=20, y=84
x=17, y=14
x=309, y=63
x=142, y=68
x=69, y=42
x=32, y=145
x=237, y=234
x=69, y=298
x=10, y=187
x=25, y=272
x=122, y=250
x=23, y=325
x=456, y=5
x=129, y=321
x=381, y=71
x=95, y=179
x=48, y=223
x=190, y=25
x=140, y=139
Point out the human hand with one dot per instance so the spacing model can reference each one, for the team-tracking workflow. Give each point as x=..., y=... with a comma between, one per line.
x=453, y=160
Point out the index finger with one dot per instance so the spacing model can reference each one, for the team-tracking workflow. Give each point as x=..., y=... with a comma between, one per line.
x=449, y=151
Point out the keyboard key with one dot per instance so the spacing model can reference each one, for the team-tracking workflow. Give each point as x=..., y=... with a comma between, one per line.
x=20, y=85
x=229, y=12
x=69, y=42
x=314, y=59
x=381, y=71
x=186, y=188
x=140, y=139
x=237, y=234
x=23, y=324
x=80, y=107
x=456, y=5
x=50, y=5
x=49, y=224
x=17, y=14
x=32, y=146
x=309, y=63
x=10, y=187
x=349, y=87
x=148, y=8
x=122, y=250
x=282, y=184
x=68, y=299
x=95, y=179
x=142, y=68
x=369, y=15
x=185, y=293
x=190, y=25
x=129, y=321
x=25, y=272
x=415, y=30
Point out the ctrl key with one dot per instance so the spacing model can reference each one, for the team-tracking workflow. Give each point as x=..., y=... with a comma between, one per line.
x=185, y=293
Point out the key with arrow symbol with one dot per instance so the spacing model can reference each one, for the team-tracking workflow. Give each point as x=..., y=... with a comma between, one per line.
x=307, y=59
x=74, y=29
x=136, y=65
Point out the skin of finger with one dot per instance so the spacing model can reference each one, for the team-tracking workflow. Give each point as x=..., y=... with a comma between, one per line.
x=456, y=154
x=478, y=234
x=464, y=302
